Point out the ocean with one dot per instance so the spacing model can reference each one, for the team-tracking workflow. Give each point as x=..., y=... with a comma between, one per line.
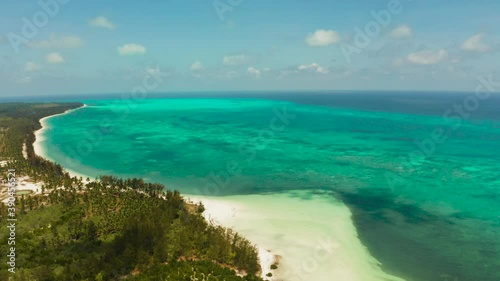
x=418, y=171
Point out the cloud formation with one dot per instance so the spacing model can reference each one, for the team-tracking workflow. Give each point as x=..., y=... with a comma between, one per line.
x=401, y=32
x=58, y=42
x=24, y=80
x=54, y=58
x=254, y=71
x=475, y=44
x=234, y=60
x=322, y=38
x=197, y=65
x=428, y=57
x=101, y=22
x=314, y=67
x=131, y=49
x=31, y=66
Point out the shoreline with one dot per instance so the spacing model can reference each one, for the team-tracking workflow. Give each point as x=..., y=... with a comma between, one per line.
x=319, y=244
x=266, y=258
x=39, y=138
x=283, y=233
x=216, y=212
x=25, y=183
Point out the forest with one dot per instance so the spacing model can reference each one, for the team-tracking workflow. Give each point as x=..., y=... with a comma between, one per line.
x=107, y=229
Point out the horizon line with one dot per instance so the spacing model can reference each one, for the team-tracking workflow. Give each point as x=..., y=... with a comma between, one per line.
x=234, y=91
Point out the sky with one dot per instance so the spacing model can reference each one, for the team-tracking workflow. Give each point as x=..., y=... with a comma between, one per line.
x=65, y=47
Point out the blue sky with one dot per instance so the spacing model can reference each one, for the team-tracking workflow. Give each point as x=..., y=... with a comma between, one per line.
x=111, y=46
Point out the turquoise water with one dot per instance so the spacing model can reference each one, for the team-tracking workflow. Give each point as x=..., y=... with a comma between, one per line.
x=426, y=212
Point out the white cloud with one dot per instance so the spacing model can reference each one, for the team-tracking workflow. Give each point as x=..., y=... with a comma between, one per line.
x=401, y=32
x=197, y=65
x=54, y=58
x=321, y=38
x=313, y=67
x=234, y=60
x=131, y=49
x=101, y=22
x=428, y=57
x=31, y=66
x=24, y=80
x=254, y=71
x=475, y=44
x=152, y=70
x=155, y=72
x=61, y=42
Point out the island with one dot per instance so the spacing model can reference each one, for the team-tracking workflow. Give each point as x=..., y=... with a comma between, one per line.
x=64, y=227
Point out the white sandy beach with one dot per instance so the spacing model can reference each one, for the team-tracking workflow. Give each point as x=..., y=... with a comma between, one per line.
x=39, y=147
x=314, y=238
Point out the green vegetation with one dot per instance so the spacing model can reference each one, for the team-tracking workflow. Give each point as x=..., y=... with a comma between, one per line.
x=190, y=270
x=109, y=229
